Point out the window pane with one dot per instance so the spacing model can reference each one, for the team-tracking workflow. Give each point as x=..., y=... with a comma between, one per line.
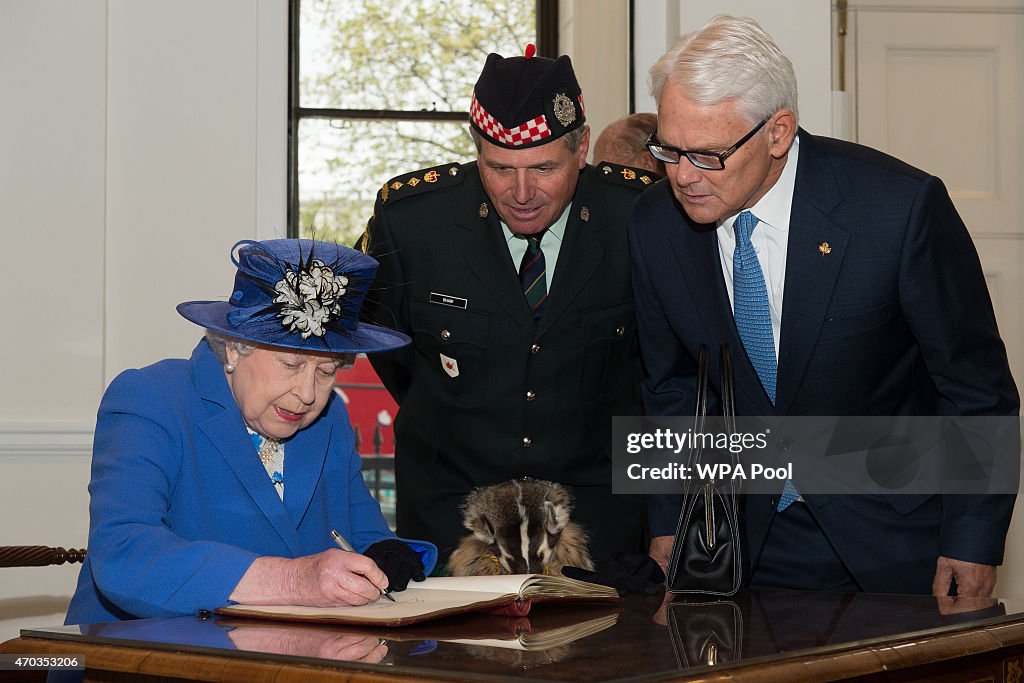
x=404, y=54
x=342, y=165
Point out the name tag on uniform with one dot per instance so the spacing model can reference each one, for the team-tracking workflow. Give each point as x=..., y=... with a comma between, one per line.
x=448, y=300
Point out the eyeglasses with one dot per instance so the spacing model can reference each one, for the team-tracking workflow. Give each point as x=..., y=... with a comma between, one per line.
x=709, y=161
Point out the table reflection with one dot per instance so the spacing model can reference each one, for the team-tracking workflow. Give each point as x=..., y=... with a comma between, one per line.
x=765, y=622
x=653, y=636
x=302, y=641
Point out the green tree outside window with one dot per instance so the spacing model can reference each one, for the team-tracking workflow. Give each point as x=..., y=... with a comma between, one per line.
x=377, y=79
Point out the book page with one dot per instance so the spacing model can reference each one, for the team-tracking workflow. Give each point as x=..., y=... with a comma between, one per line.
x=497, y=583
x=410, y=603
x=437, y=596
x=527, y=585
x=544, y=585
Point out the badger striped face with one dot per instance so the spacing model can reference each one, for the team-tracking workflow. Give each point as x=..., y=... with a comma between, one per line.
x=521, y=521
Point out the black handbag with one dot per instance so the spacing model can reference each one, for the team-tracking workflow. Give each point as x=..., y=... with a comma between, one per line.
x=706, y=549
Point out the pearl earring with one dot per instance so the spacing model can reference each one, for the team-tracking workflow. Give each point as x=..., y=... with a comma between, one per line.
x=229, y=368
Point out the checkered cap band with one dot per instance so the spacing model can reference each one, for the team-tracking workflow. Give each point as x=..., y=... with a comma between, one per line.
x=532, y=131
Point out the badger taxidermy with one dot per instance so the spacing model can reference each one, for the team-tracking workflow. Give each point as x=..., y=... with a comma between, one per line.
x=519, y=527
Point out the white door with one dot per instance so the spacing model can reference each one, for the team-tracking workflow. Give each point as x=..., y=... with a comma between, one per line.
x=943, y=89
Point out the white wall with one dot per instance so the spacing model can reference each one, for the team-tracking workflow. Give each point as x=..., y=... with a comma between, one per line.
x=139, y=141
x=801, y=29
x=595, y=35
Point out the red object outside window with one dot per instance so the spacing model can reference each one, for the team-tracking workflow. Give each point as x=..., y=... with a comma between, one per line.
x=370, y=408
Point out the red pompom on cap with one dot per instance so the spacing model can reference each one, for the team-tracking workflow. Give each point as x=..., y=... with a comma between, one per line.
x=531, y=50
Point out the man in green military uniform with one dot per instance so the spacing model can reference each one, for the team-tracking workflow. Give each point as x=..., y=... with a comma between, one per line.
x=512, y=276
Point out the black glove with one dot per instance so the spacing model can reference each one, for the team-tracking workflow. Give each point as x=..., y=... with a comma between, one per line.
x=398, y=561
x=625, y=572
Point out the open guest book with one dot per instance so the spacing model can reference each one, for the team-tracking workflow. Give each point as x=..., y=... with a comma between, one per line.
x=441, y=596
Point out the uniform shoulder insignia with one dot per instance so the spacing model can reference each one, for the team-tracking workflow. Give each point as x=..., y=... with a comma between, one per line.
x=626, y=175
x=420, y=181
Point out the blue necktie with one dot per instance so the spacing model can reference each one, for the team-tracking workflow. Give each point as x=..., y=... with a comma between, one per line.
x=753, y=320
x=750, y=305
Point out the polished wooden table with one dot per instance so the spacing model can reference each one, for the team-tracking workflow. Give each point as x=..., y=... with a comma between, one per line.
x=758, y=635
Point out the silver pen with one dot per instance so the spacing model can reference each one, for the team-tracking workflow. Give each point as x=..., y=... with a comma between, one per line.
x=344, y=545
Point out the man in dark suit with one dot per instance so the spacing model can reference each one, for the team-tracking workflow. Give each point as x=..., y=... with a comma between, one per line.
x=506, y=379
x=857, y=291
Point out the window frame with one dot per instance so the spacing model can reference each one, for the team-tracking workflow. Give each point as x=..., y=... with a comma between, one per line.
x=547, y=45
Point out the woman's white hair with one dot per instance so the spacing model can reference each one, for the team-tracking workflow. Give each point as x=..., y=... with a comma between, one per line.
x=220, y=342
x=730, y=58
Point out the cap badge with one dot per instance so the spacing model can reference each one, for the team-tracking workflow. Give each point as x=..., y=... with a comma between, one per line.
x=483, y=210
x=564, y=111
x=584, y=214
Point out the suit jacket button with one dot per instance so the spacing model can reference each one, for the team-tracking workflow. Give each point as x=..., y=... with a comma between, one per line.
x=535, y=348
x=530, y=395
x=527, y=442
x=446, y=335
x=619, y=331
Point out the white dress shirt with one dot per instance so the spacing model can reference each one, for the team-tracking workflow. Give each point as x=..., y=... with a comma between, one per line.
x=551, y=244
x=770, y=239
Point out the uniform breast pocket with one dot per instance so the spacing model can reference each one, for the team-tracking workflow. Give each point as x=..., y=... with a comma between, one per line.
x=608, y=337
x=452, y=347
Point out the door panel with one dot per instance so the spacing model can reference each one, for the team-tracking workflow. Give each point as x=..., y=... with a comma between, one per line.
x=943, y=89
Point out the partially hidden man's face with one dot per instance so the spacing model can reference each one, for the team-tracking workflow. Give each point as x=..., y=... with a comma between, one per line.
x=709, y=196
x=530, y=187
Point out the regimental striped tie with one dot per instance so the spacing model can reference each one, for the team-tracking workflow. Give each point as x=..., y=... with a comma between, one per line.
x=532, y=275
x=753, y=320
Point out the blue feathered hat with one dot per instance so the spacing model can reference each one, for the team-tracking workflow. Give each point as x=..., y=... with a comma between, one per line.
x=297, y=294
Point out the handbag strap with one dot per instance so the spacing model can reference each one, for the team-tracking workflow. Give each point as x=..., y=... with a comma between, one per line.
x=728, y=393
x=702, y=389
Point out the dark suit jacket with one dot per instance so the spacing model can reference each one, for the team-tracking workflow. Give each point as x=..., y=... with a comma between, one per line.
x=580, y=361
x=895, y=320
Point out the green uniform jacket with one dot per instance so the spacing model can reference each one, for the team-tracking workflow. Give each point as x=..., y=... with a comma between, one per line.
x=485, y=393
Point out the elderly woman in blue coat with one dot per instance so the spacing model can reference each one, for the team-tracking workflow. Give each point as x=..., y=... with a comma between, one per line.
x=219, y=479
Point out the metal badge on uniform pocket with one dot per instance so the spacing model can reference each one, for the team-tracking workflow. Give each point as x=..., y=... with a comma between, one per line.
x=449, y=365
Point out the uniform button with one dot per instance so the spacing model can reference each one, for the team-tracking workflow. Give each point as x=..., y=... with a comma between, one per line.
x=535, y=348
x=619, y=331
x=446, y=335
x=530, y=395
x=527, y=442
